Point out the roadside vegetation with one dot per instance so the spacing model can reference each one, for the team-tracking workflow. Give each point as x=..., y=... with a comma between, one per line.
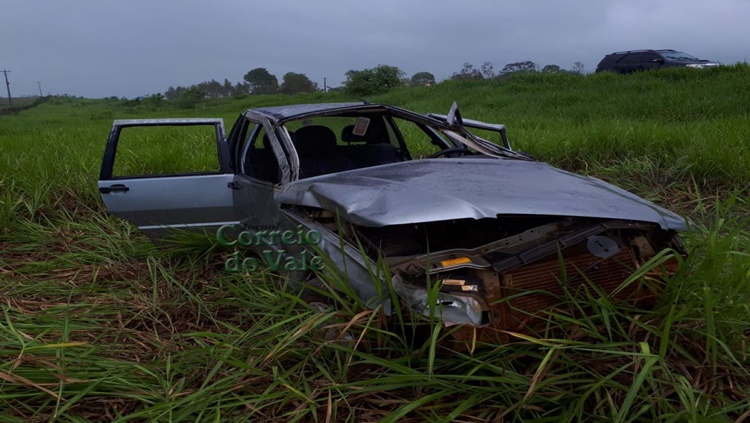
x=99, y=325
x=16, y=102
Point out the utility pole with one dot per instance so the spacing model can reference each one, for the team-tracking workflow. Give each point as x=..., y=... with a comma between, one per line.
x=39, y=84
x=7, y=84
x=325, y=86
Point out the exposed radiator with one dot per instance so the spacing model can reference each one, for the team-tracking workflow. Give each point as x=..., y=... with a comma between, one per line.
x=541, y=286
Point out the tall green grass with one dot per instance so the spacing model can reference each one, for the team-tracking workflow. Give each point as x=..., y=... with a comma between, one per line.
x=98, y=325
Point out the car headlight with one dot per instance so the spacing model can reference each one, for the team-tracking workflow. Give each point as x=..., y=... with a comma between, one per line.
x=453, y=309
x=703, y=65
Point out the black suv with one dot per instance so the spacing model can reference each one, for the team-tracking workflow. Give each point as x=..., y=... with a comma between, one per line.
x=637, y=60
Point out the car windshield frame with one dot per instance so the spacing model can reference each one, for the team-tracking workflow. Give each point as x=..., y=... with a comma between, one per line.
x=456, y=133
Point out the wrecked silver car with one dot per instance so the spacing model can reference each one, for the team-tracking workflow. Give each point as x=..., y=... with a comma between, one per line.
x=430, y=199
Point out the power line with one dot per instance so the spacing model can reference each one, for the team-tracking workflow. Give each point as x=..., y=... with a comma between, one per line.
x=7, y=84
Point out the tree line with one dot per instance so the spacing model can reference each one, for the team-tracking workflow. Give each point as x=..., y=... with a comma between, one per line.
x=376, y=80
x=256, y=81
x=487, y=71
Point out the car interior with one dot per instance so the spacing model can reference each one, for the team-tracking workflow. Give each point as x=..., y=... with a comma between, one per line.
x=321, y=152
x=318, y=152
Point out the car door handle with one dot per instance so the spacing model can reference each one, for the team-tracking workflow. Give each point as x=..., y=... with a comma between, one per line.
x=114, y=188
x=234, y=185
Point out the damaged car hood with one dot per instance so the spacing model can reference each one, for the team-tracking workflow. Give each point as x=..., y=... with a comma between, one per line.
x=468, y=188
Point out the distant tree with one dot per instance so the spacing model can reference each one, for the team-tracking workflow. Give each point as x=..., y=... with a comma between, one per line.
x=467, y=72
x=420, y=79
x=172, y=93
x=377, y=80
x=551, y=69
x=261, y=81
x=525, y=66
x=487, y=70
x=190, y=97
x=241, y=88
x=227, y=89
x=212, y=88
x=294, y=83
x=578, y=67
x=153, y=101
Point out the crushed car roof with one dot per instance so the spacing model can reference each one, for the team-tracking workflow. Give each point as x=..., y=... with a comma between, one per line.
x=293, y=110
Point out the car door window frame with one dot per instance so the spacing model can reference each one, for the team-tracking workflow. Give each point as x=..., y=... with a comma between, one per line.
x=247, y=140
x=110, y=150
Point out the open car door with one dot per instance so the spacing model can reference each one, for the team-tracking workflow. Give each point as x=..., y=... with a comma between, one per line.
x=166, y=174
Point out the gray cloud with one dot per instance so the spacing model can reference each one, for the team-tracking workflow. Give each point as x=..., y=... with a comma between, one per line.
x=97, y=48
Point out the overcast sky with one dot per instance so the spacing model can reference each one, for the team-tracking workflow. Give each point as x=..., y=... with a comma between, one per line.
x=100, y=48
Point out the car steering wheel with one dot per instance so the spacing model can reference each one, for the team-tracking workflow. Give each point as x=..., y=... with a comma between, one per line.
x=452, y=150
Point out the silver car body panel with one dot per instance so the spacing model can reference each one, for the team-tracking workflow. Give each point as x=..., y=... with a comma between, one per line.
x=469, y=188
x=160, y=203
x=181, y=202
